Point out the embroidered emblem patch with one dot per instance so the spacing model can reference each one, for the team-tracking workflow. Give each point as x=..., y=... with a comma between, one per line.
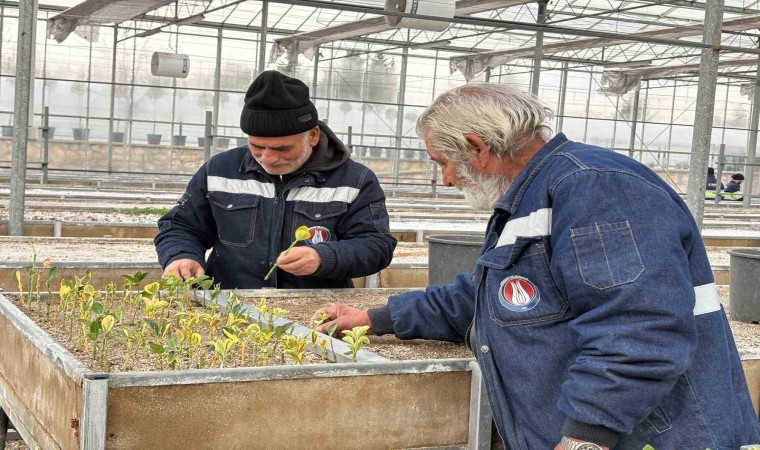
x=518, y=294
x=318, y=234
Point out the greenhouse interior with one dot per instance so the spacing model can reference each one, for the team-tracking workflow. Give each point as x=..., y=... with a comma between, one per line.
x=158, y=183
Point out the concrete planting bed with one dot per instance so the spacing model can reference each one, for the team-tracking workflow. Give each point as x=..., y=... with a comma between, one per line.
x=56, y=401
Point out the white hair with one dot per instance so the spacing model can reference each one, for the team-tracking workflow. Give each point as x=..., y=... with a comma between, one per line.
x=505, y=118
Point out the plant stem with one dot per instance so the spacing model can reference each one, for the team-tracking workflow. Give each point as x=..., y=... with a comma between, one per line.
x=275, y=264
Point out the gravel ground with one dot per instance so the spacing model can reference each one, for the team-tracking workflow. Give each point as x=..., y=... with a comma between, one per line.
x=142, y=250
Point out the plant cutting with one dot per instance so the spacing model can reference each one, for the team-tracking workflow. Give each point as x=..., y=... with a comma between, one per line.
x=355, y=338
x=301, y=234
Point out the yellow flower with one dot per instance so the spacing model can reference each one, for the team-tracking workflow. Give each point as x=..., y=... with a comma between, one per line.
x=46, y=263
x=302, y=233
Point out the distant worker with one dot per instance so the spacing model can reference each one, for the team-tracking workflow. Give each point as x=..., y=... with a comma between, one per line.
x=712, y=182
x=733, y=188
x=246, y=203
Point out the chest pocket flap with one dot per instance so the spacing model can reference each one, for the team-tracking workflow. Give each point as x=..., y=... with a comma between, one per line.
x=519, y=289
x=235, y=216
x=320, y=211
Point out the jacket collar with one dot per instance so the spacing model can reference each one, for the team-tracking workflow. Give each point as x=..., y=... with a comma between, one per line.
x=511, y=199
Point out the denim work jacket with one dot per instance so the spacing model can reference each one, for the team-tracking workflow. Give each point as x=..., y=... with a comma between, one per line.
x=233, y=206
x=594, y=312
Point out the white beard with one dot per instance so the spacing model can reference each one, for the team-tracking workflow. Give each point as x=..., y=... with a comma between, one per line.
x=482, y=192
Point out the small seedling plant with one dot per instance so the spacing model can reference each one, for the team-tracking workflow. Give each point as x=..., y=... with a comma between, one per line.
x=161, y=325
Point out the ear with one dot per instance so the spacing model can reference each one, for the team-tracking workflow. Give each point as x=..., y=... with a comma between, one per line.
x=314, y=134
x=477, y=149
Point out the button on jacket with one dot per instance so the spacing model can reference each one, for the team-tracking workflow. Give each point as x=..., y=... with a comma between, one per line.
x=594, y=312
x=249, y=217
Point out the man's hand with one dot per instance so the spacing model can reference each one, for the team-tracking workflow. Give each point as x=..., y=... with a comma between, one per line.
x=346, y=317
x=300, y=261
x=184, y=268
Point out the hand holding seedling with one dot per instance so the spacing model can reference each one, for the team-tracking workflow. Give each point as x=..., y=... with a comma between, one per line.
x=300, y=261
x=301, y=234
x=184, y=268
x=343, y=316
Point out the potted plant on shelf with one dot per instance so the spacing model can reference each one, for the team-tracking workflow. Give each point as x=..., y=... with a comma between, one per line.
x=155, y=93
x=7, y=130
x=80, y=133
x=179, y=139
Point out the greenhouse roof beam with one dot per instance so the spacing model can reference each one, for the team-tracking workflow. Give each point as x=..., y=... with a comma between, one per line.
x=701, y=5
x=472, y=64
x=100, y=12
x=306, y=42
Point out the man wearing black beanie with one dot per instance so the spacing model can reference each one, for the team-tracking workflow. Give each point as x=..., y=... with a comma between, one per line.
x=246, y=203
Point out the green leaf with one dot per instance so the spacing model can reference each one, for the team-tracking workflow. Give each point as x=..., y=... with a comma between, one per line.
x=648, y=447
x=156, y=348
x=97, y=308
x=331, y=329
x=92, y=336
x=51, y=273
x=95, y=327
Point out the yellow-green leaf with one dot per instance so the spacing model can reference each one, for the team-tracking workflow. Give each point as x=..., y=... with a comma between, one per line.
x=107, y=323
x=302, y=233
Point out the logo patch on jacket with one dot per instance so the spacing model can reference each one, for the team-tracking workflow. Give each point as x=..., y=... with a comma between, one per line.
x=518, y=294
x=318, y=234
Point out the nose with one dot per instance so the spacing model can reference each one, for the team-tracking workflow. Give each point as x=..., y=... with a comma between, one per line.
x=268, y=157
x=448, y=177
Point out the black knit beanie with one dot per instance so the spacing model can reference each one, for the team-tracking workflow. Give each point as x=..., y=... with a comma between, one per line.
x=277, y=105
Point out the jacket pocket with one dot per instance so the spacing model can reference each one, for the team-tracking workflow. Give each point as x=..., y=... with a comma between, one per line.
x=607, y=254
x=519, y=287
x=235, y=216
x=321, y=218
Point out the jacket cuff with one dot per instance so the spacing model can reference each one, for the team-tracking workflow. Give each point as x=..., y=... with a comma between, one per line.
x=329, y=260
x=380, y=320
x=598, y=434
x=195, y=258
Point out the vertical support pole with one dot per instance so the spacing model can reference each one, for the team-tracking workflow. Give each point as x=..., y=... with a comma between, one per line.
x=45, y=145
x=58, y=227
x=536, y=74
x=315, y=75
x=92, y=431
x=24, y=77
x=719, y=173
x=263, y=36
x=643, y=117
x=217, y=85
x=208, y=136
x=666, y=155
x=350, y=144
x=112, y=106
x=372, y=281
x=634, y=121
x=708, y=75
x=400, y=115
x=479, y=435
x=562, y=96
x=588, y=103
x=434, y=181
x=752, y=147
x=488, y=75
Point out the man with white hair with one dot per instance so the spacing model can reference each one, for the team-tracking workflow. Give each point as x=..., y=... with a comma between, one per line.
x=592, y=308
